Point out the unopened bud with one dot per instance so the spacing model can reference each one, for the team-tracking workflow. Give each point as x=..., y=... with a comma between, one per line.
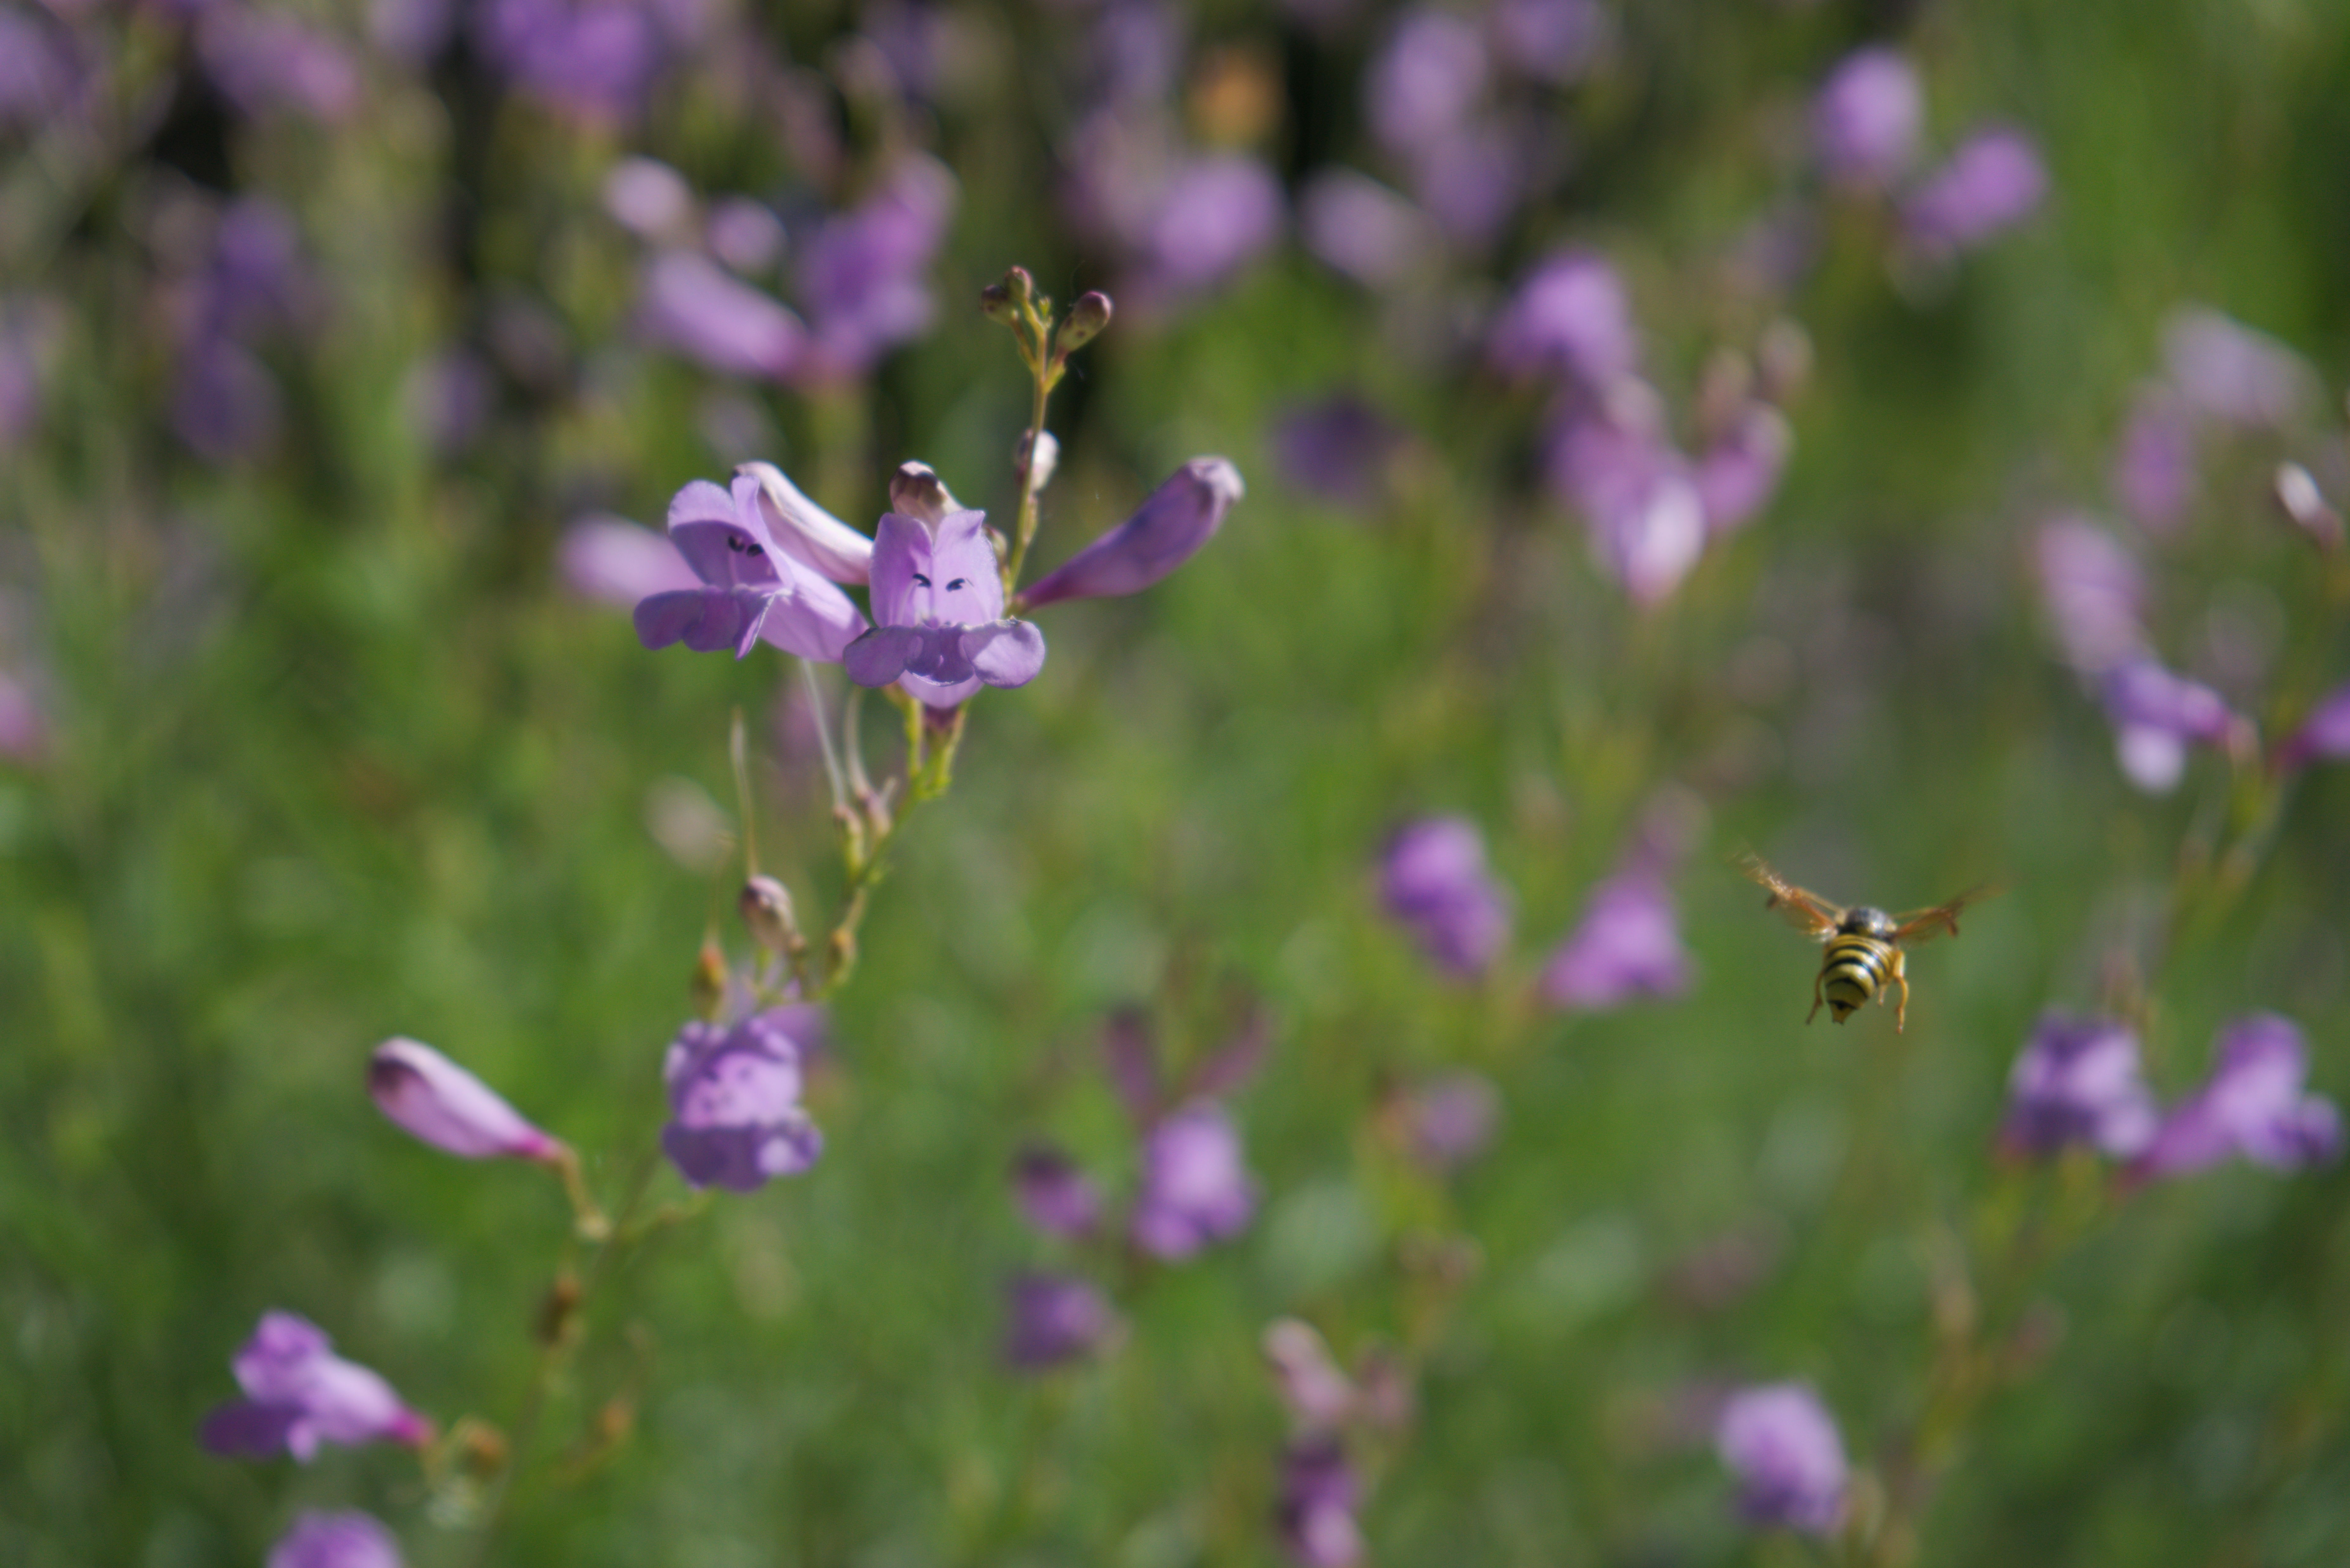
x=1004, y=301
x=767, y=906
x=917, y=492
x=707, y=988
x=1087, y=318
x=1040, y=455
x=2303, y=501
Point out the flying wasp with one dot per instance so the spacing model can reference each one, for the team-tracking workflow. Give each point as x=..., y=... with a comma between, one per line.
x=1863, y=956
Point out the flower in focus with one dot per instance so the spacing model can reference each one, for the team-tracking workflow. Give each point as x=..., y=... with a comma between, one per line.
x=2252, y=1105
x=1992, y=183
x=434, y=1099
x=1316, y=1508
x=937, y=598
x=2156, y=716
x=751, y=591
x=1054, y=1318
x=2077, y=1081
x=351, y=1540
x=1053, y=1195
x=1171, y=527
x=1781, y=1444
x=1433, y=881
x=1195, y=1190
x=735, y=1118
x=1865, y=121
x=299, y=1394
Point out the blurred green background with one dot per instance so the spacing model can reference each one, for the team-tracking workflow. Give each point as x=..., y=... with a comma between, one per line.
x=333, y=754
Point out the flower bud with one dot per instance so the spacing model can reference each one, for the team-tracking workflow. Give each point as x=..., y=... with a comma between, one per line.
x=917, y=492
x=2305, y=504
x=1002, y=301
x=767, y=906
x=1087, y=318
x=1168, y=530
x=434, y=1099
x=708, y=987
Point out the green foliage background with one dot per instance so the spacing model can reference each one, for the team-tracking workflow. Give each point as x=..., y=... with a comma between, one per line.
x=336, y=757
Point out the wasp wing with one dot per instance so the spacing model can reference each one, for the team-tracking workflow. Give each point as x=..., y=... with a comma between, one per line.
x=1807, y=912
x=1924, y=925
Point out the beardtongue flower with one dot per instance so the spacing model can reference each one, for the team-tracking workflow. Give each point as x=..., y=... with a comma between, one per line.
x=620, y=562
x=352, y=1540
x=752, y=590
x=299, y=1394
x=1865, y=121
x=2155, y=715
x=1781, y=1444
x=1433, y=881
x=2251, y=1105
x=735, y=1120
x=1195, y=1190
x=938, y=595
x=1992, y=182
x=1627, y=947
x=2077, y=1081
x=432, y=1097
x=1167, y=530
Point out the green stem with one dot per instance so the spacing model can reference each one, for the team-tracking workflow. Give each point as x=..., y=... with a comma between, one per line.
x=1024, y=531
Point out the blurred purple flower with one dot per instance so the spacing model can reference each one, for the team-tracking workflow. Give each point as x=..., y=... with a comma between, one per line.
x=1316, y=1508
x=2093, y=592
x=1739, y=471
x=448, y=398
x=1361, y=228
x=1171, y=525
x=2154, y=465
x=937, y=603
x=1867, y=117
x=2229, y=372
x=1194, y=1189
x=2156, y=716
x=591, y=59
x=1556, y=41
x=735, y=1118
x=225, y=404
x=1570, y=318
x=265, y=62
x=1433, y=881
x=862, y=278
x=1053, y=1194
x=1319, y=1397
x=1215, y=213
x=692, y=305
x=1992, y=183
x=620, y=562
x=42, y=77
x=1627, y=947
x=1637, y=496
x=2325, y=732
x=2077, y=1081
x=2252, y=1105
x=1781, y=1444
x=651, y=200
x=1426, y=81
x=1472, y=180
x=751, y=591
x=431, y=1098
x=1451, y=1118
x=746, y=235
x=24, y=727
x=1339, y=449
x=299, y=1394
x=352, y=1540
x=411, y=32
x=1052, y=1319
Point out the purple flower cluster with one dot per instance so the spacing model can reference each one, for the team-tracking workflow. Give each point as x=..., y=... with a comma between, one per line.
x=1320, y=1493
x=351, y=1540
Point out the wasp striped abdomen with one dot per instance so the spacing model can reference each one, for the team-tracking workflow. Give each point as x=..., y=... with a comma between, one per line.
x=1852, y=971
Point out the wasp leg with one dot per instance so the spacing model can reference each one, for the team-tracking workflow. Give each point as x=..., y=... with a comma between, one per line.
x=1895, y=977
x=1817, y=1001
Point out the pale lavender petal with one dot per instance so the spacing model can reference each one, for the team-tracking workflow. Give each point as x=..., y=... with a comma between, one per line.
x=1005, y=652
x=1570, y=318
x=1740, y=472
x=705, y=619
x=1053, y=1195
x=902, y=563
x=2077, y=1081
x=1433, y=881
x=1169, y=528
x=1428, y=79
x=1781, y=1444
x=881, y=654
x=812, y=620
x=1363, y=229
x=1556, y=41
x=1214, y=216
x=648, y=198
x=806, y=532
x=1638, y=499
x=746, y=235
x=434, y=1099
x=351, y=1540
x=1628, y=948
x=1194, y=1188
x=735, y=1118
x=2228, y=371
x=2156, y=716
x=2095, y=592
x=2154, y=466
x=966, y=584
x=299, y=1393
x=1319, y=1395
x=2252, y=1105
x=621, y=563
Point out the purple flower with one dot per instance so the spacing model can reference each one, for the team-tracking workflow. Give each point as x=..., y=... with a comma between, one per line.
x=2229, y=372
x=1628, y=946
x=650, y=198
x=1992, y=183
x=299, y=1394
x=752, y=590
x=448, y=398
x=351, y=1540
x=1556, y=41
x=40, y=78
x=1053, y=1195
x=1054, y=1318
x=24, y=727
x=1316, y=1510
x=265, y=62
x=2325, y=733
x=1194, y=1189
x=937, y=597
x=1214, y=214
x=1739, y=471
x=746, y=235
x=593, y=60
x=1570, y=318
x=620, y=562
x=1318, y=1394
x=2077, y=1081
x=1433, y=881
x=815, y=537
x=1451, y=1118
x=1470, y=180
x=1339, y=448
x=735, y=1120
x=1428, y=81
x=2251, y=1105
x=1360, y=227
x=695, y=306
x=861, y=278
x=1781, y=1444
x=1639, y=501
x=434, y=1099
x=1865, y=121
x=2154, y=465
x=2155, y=715
x=1168, y=529
x=2093, y=592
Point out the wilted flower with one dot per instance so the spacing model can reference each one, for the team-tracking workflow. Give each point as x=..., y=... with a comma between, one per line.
x=1781, y=1444
x=351, y=1540
x=299, y=1394
x=2155, y=715
x=695, y=306
x=937, y=597
x=1865, y=121
x=1168, y=529
x=1993, y=181
x=1054, y=1196
x=1054, y=1318
x=753, y=591
x=2093, y=592
x=735, y=1118
x=1194, y=1189
x=2077, y=1081
x=1627, y=947
x=1433, y=879
x=1316, y=1510
x=2252, y=1105
x=434, y=1099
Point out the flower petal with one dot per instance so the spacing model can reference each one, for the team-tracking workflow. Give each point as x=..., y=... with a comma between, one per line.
x=806, y=532
x=901, y=551
x=881, y=654
x=1167, y=530
x=966, y=583
x=1005, y=652
x=705, y=619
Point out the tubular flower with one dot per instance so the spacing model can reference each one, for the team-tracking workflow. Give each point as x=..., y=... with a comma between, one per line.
x=299, y=1394
x=939, y=598
x=1195, y=1189
x=2251, y=1105
x=2077, y=1081
x=432, y=1097
x=1167, y=530
x=735, y=1118
x=1434, y=881
x=751, y=591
